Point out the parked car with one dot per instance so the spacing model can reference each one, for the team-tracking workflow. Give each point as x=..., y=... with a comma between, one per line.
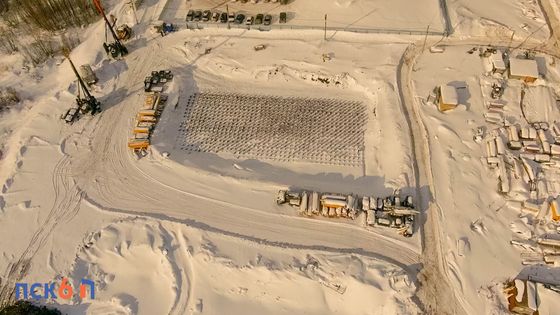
x=223, y=17
x=190, y=15
x=231, y=17
x=206, y=16
x=258, y=19
x=239, y=18
x=249, y=20
x=197, y=16
x=267, y=19
x=215, y=16
x=283, y=17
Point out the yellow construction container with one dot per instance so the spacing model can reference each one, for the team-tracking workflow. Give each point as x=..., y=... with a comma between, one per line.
x=138, y=144
x=141, y=130
x=143, y=118
x=554, y=213
x=147, y=112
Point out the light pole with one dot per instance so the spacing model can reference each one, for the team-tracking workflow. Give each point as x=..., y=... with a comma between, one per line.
x=325, y=27
x=227, y=10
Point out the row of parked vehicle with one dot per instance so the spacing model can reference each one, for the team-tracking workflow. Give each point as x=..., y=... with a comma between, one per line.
x=239, y=18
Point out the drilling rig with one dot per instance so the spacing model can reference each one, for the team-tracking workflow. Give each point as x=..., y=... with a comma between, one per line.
x=86, y=104
x=115, y=49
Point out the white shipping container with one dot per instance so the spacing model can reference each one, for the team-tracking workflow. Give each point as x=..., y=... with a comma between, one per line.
x=350, y=201
x=331, y=196
x=365, y=203
x=315, y=204
x=303, y=204
x=520, y=285
x=513, y=133
x=384, y=221
x=491, y=149
x=532, y=133
x=555, y=149
x=500, y=147
x=542, y=157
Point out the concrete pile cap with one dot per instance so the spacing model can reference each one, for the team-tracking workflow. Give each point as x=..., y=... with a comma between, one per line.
x=524, y=68
x=449, y=95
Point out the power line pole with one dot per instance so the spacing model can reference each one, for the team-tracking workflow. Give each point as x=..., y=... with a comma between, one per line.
x=132, y=4
x=325, y=27
x=227, y=10
x=425, y=38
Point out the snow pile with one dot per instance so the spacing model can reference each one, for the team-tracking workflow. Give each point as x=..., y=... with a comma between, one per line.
x=145, y=267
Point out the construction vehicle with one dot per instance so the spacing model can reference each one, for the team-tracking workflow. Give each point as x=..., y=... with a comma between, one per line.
x=497, y=90
x=86, y=104
x=115, y=49
x=292, y=198
x=124, y=32
x=152, y=82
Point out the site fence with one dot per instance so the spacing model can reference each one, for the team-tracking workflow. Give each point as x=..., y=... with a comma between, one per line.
x=202, y=25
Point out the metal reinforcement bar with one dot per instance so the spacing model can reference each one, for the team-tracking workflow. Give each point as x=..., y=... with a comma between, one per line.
x=201, y=25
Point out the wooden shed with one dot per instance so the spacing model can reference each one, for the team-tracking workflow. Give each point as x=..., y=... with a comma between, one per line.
x=447, y=98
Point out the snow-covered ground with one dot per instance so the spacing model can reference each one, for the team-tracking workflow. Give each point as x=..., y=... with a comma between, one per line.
x=502, y=18
x=359, y=14
x=185, y=232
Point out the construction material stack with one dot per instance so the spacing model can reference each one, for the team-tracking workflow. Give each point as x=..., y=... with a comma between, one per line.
x=148, y=115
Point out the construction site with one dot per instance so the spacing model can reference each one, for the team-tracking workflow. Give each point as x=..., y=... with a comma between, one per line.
x=406, y=156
